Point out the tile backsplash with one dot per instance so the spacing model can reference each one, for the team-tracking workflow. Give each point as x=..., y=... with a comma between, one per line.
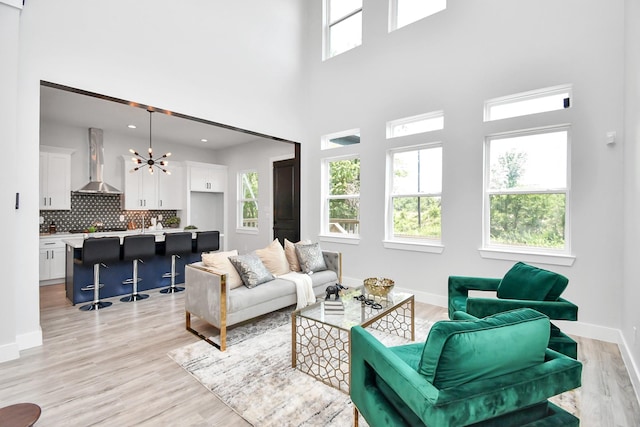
x=89, y=208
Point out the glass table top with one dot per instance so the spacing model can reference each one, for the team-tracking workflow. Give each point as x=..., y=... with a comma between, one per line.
x=356, y=311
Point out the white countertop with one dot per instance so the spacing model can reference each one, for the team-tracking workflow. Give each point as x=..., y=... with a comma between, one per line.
x=76, y=240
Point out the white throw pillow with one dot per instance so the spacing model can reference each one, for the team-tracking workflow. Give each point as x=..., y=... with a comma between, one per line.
x=220, y=261
x=274, y=258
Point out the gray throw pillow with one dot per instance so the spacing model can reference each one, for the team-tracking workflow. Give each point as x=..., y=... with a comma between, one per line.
x=310, y=258
x=251, y=269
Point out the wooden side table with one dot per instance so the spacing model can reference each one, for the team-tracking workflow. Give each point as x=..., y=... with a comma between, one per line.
x=19, y=415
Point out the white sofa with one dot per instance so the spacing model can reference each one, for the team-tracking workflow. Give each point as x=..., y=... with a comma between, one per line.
x=209, y=298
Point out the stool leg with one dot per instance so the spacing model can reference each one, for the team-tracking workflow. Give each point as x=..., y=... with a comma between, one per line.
x=173, y=288
x=135, y=296
x=96, y=304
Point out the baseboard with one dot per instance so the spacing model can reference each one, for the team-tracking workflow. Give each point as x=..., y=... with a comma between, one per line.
x=29, y=339
x=9, y=352
x=632, y=368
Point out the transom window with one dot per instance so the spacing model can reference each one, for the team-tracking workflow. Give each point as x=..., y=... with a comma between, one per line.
x=405, y=12
x=416, y=124
x=527, y=189
x=343, y=26
x=414, y=203
x=525, y=103
x=341, y=139
x=341, y=190
x=248, y=200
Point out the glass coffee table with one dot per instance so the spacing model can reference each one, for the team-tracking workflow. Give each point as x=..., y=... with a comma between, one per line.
x=320, y=337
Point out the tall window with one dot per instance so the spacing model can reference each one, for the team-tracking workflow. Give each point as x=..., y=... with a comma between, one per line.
x=527, y=189
x=343, y=26
x=342, y=196
x=405, y=12
x=414, y=203
x=248, y=200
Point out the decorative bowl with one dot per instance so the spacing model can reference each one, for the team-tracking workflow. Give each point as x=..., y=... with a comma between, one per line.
x=378, y=286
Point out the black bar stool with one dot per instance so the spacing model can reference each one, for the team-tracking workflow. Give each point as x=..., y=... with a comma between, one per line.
x=175, y=244
x=207, y=241
x=133, y=249
x=96, y=252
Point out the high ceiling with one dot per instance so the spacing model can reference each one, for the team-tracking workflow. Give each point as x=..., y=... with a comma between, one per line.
x=75, y=109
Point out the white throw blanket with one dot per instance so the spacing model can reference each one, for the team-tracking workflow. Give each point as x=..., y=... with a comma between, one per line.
x=304, y=288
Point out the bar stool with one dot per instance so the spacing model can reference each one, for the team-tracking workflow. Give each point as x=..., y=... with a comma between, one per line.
x=133, y=249
x=175, y=244
x=207, y=241
x=96, y=252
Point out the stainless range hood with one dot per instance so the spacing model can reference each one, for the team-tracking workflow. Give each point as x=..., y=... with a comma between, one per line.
x=96, y=165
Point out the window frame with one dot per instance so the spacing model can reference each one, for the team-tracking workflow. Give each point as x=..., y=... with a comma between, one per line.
x=512, y=252
x=393, y=16
x=393, y=124
x=409, y=243
x=326, y=139
x=527, y=96
x=241, y=200
x=326, y=198
x=328, y=25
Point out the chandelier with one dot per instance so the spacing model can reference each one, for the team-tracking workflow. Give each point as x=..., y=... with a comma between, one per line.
x=149, y=162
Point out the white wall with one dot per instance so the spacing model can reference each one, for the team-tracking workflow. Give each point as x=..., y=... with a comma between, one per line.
x=453, y=61
x=257, y=156
x=631, y=290
x=11, y=295
x=236, y=63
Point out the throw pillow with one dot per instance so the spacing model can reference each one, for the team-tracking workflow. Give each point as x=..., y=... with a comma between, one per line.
x=220, y=261
x=251, y=269
x=310, y=257
x=274, y=258
x=526, y=282
x=458, y=352
x=292, y=256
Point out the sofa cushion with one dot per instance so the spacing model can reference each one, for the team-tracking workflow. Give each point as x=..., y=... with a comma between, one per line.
x=292, y=256
x=458, y=352
x=274, y=258
x=251, y=269
x=325, y=277
x=245, y=298
x=526, y=282
x=220, y=262
x=310, y=258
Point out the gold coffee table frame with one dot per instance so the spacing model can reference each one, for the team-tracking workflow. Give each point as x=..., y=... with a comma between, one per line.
x=320, y=341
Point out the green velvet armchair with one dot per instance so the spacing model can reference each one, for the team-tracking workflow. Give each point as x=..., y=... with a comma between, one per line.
x=522, y=286
x=495, y=371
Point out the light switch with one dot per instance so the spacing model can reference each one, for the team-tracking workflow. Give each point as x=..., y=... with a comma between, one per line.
x=611, y=138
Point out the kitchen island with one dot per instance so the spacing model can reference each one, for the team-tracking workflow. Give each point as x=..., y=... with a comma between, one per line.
x=78, y=275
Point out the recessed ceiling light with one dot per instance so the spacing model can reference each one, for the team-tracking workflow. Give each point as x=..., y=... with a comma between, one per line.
x=203, y=140
x=131, y=126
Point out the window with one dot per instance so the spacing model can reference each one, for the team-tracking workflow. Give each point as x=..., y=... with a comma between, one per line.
x=525, y=103
x=341, y=139
x=343, y=26
x=342, y=196
x=414, y=202
x=405, y=12
x=527, y=190
x=248, y=200
x=416, y=124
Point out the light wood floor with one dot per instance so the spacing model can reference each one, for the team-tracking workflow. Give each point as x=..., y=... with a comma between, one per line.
x=111, y=368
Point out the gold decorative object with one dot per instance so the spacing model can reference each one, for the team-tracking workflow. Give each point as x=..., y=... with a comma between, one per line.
x=378, y=286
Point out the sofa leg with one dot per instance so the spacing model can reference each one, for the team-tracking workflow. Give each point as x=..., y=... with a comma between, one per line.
x=223, y=339
x=355, y=416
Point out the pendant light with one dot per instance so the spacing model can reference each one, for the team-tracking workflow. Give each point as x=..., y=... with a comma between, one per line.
x=149, y=162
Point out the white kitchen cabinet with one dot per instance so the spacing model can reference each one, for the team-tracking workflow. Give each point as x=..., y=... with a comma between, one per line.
x=143, y=191
x=52, y=262
x=55, y=181
x=171, y=188
x=208, y=177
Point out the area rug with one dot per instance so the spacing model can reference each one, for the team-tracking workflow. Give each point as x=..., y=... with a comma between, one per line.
x=255, y=379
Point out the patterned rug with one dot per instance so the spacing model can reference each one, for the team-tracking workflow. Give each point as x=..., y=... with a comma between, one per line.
x=254, y=377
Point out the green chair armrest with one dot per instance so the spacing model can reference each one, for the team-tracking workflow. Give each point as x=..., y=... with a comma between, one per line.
x=459, y=287
x=556, y=310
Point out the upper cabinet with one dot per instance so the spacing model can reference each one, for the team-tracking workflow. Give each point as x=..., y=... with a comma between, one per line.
x=143, y=191
x=55, y=179
x=207, y=177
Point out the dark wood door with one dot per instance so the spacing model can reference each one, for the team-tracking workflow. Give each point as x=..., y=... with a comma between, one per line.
x=286, y=200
